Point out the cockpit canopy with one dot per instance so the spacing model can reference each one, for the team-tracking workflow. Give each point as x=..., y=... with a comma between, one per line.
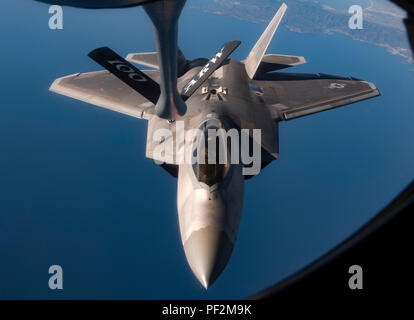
x=212, y=155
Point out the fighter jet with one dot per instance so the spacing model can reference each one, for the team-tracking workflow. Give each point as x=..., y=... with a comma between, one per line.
x=178, y=95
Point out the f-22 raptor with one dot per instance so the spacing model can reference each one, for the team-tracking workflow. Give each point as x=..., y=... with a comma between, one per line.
x=216, y=93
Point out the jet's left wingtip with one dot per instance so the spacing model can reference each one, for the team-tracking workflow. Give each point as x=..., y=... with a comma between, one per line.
x=374, y=88
x=371, y=85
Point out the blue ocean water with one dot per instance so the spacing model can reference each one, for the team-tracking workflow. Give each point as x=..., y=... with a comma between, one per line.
x=76, y=189
x=344, y=4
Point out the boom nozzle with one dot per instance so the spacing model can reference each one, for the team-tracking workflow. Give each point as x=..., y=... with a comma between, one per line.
x=164, y=15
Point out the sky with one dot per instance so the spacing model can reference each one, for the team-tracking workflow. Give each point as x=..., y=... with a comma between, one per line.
x=76, y=189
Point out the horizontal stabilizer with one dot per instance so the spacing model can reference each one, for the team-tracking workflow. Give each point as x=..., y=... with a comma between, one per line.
x=273, y=62
x=127, y=73
x=97, y=4
x=148, y=59
x=212, y=65
x=256, y=55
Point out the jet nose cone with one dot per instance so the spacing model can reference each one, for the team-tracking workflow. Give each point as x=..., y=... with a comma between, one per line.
x=208, y=250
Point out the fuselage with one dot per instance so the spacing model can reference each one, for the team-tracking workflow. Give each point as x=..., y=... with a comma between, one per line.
x=210, y=196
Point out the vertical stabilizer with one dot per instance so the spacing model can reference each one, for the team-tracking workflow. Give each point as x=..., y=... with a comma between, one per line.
x=256, y=55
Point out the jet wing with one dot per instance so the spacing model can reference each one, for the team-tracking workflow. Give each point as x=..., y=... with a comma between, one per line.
x=103, y=89
x=290, y=96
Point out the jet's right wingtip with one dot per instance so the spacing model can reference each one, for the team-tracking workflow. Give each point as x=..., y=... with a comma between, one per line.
x=55, y=86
